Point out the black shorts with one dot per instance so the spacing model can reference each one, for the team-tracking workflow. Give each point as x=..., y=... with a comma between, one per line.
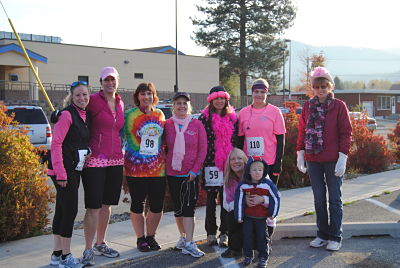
x=184, y=194
x=102, y=185
x=152, y=187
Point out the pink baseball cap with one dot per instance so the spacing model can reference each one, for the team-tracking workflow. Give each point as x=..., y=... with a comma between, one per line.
x=108, y=71
x=321, y=72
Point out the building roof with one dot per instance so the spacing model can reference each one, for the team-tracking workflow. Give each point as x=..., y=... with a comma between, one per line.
x=162, y=49
x=16, y=48
x=354, y=91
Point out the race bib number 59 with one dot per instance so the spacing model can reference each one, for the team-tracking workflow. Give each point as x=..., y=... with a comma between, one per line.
x=213, y=177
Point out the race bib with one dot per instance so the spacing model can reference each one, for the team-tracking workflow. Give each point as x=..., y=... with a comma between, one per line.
x=213, y=177
x=255, y=146
x=81, y=155
x=149, y=145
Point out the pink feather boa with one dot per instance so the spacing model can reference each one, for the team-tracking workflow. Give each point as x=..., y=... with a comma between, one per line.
x=223, y=128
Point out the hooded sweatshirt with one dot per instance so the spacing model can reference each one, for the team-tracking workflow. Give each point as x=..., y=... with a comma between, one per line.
x=265, y=187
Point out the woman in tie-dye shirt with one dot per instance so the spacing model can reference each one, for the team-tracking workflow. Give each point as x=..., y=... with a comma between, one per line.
x=144, y=164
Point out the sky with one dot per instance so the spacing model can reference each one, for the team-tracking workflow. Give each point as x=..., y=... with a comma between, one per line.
x=132, y=24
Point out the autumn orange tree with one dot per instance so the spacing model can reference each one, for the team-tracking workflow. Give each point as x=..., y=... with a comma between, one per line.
x=394, y=138
x=24, y=193
x=369, y=152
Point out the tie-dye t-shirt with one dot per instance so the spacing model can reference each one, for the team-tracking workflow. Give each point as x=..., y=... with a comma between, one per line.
x=144, y=156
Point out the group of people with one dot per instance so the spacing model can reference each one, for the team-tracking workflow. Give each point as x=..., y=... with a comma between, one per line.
x=236, y=159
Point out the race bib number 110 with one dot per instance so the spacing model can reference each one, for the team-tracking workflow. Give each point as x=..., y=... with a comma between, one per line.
x=255, y=146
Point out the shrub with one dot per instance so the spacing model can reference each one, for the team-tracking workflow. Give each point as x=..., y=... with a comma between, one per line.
x=394, y=138
x=291, y=177
x=368, y=152
x=24, y=194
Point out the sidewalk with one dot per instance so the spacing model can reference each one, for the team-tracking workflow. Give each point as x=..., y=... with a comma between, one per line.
x=35, y=251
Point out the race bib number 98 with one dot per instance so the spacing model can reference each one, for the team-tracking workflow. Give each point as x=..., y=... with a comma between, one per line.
x=149, y=145
x=255, y=146
x=213, y=177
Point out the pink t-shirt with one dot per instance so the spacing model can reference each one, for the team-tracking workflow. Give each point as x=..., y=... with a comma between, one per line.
x=259, y=126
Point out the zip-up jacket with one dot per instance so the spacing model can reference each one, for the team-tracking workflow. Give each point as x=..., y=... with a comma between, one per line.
x=105, y=141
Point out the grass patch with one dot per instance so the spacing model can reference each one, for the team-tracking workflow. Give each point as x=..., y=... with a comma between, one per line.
x=348, y=203
x=387, y=192
x=307, y=213
x=376, y=195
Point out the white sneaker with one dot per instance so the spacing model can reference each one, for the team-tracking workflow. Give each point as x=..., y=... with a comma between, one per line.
x=223, y=241
x=192, y=249
x=334, y=245
x=318, y=242
x=180, y=244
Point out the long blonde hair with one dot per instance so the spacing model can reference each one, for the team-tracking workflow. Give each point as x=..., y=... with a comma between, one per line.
x=229, y=173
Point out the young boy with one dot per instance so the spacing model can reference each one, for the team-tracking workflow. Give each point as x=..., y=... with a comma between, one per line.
x=256, y=185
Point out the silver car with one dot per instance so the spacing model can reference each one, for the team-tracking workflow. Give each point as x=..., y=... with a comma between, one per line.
x=35, y=120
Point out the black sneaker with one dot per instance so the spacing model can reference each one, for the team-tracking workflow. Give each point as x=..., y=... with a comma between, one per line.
x=230, y=253
x=247, y=261
x=142, y=244
x=262, y=262
x=153, y=245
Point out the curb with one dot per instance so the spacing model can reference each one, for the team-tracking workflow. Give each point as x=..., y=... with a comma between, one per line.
x=301, y=230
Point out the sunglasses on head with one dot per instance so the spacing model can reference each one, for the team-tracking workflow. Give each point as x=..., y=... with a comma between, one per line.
x=77, y=83
x=320, y=87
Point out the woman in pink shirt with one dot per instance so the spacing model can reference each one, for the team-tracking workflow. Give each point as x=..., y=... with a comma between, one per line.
x=69, y=148
x=186, y=150
x=262, y=133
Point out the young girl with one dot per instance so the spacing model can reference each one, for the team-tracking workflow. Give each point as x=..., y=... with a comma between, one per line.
x=256, y=182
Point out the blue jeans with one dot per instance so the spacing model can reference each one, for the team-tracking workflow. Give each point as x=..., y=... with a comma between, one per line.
x=255, y=229
x=322, y=177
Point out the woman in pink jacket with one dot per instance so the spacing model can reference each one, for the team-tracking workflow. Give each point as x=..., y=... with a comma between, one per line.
x=186, y=150
x=102, y=179
x=71, y=139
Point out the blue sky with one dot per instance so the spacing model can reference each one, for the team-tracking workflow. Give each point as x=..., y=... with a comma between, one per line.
x=139, y=23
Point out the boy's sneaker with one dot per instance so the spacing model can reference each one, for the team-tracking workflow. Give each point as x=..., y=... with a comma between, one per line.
x=223, y=240
x=70, y=262
x=180, y=244
x=105, y=250
x=334, y=245
x=230, y=253
x=247, y=261
x=318, y=242
x=142, y=244
x=151, y=241
x=54, y=260
x=262, y=262
x=211, y=240
x=88, y=257
x=192, y=249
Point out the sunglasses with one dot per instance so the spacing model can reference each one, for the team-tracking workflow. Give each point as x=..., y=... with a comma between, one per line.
x=77, y=83
x=320, y=87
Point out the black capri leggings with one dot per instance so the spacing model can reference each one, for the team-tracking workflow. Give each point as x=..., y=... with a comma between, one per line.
x=152, y=187
x=184, y=194
x=66, y=206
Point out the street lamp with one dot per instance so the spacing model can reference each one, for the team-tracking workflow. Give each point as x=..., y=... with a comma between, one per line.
x=290, y=65
x=283, y=74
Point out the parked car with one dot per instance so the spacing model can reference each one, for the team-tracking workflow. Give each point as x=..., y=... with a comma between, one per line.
x=284, y=110
x=166, y=107
x=371, y=122
x=299, y=110
x=38, y=127
x=196, y=116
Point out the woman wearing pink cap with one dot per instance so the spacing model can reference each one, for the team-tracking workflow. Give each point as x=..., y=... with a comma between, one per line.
x=102, y=179
x=262, y=133
x=220, y=122
x=323, y=143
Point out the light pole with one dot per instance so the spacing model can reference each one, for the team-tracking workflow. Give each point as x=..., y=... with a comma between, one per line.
x=283, y=75
x=290, y=65
x=176, y=46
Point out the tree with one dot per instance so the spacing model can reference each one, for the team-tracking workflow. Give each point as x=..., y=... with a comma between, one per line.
x=338, y=83
x=242, y=33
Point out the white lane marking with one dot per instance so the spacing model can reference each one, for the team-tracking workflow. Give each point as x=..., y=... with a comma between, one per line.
x=389, y=208
x=226, y=262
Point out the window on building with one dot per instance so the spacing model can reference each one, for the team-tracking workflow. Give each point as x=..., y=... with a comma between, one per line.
x=383, y=103
x=138, y=75
x=84, y=78
x=398, y=99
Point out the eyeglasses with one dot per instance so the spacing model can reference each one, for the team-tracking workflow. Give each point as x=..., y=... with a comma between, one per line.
x=320, y=87
x=77, y=83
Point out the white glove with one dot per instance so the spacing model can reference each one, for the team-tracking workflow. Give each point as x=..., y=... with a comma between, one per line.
x=340, y=167
x=301, y=165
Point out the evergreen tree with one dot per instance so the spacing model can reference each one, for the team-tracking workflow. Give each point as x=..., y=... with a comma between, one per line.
x=338, y=83
x=242, y=33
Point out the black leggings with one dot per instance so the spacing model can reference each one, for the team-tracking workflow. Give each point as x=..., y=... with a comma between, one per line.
x=152, y=187
x=211, y=220
x=184, y=194
x=66, y=207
